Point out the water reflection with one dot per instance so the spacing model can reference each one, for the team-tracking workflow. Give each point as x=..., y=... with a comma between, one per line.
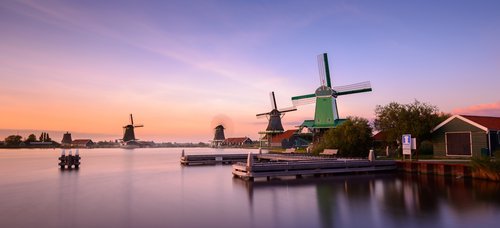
x=149, y=188
x=391, y=200
x=67, y=196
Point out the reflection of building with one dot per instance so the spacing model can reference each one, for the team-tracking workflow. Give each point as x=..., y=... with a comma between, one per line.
x=462, y=135
x=237, y=142
x=82, y=143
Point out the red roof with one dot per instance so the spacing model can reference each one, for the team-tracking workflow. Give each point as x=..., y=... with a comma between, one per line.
x=81, y=141
x=285, y=135
x=490, y=122
x=236, y=140
x=380, y=136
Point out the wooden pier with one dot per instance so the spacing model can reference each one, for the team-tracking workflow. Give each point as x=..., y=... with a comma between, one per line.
x=228, y=159
x=212, y=159
x=251, y=170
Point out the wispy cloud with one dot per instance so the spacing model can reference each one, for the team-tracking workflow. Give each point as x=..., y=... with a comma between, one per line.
x=490, y=109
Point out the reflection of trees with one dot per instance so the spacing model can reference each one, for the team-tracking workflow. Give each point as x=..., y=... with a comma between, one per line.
x=410, y=196
x=390, y=199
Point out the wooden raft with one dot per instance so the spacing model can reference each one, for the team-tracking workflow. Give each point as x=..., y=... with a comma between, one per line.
x=251, y=170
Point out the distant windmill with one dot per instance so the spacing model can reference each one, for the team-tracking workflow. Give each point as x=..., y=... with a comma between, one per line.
x=326, y=114
x=274, y=116
x=220, y=125
x=128, y=131
x=274, y=126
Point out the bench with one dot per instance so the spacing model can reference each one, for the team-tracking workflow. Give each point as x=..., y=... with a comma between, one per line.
x=329, y=152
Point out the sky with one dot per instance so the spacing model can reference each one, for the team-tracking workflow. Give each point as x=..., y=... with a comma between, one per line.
x=180, y=67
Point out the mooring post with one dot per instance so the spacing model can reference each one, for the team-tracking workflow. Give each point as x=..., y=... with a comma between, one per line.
x=182, y=154
x=371, y=156
x=249, y=161
x=62, y=159
x=260, y=150
x=76, y=159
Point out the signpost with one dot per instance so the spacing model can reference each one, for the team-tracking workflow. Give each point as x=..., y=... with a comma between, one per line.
x=406, y=142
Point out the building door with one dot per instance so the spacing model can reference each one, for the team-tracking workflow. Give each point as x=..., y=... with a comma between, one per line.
x=458, y=144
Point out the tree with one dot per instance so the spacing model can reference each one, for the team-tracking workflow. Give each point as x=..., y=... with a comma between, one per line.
x=31, y=138
x=352, y=138
x=416, y=118
x=44, y=137
x=13, y=140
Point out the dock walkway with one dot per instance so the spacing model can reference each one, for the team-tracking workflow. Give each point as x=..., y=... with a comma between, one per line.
x=212, y=159
x=251, y=170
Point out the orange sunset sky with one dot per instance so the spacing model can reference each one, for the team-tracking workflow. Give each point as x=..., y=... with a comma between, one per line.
x=85, y=66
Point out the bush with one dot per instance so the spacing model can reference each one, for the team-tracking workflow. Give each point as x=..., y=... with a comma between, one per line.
x=352, y=138
x=426, y=148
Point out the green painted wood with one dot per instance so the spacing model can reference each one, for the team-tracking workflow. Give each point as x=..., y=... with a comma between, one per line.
x=324, y=112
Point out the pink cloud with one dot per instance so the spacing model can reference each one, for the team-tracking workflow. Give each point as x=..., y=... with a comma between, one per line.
x=491, y=109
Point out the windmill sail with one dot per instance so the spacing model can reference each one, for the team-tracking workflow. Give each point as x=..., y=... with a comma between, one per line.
x=304, y=99
x=289, y=109
x=273, y=100
x=353, y=88
x=324, y=70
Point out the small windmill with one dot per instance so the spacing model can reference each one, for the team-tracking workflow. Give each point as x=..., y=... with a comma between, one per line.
x=218, y=136
x=220, y=125
x=274, y=116
x=326, y=114
x=128, y=131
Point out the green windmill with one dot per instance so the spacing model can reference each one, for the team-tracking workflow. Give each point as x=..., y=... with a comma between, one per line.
x=326, y=113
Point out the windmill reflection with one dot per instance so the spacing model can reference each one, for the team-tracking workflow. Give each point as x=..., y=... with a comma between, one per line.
x=382, y=199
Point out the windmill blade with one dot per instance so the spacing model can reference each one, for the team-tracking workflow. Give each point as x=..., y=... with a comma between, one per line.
x=324, y=70
x=262, y=114
x=273, y=100
x=131, y=120
x=289, y=109
x=139, y=125
x=304, y=99
x=353, y=88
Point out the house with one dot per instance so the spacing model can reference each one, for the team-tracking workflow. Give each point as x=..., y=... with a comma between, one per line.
x=289, y=139
x=237, y=142
x=82, y=143
x=463, y=135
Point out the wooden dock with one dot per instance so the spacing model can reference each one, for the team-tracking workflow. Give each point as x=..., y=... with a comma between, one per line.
x=225, y=159
x=213, y=159
x=251, y=170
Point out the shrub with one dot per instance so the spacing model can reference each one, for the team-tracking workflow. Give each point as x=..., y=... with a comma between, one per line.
x=426, y=148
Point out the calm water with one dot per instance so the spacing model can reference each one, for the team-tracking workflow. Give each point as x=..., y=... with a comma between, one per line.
x=148, y=188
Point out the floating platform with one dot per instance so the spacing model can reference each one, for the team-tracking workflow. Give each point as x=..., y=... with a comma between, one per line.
x=213, y=159
x=251, y=170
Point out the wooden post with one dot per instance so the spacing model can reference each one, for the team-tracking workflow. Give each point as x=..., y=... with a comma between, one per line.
x=249, y=162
